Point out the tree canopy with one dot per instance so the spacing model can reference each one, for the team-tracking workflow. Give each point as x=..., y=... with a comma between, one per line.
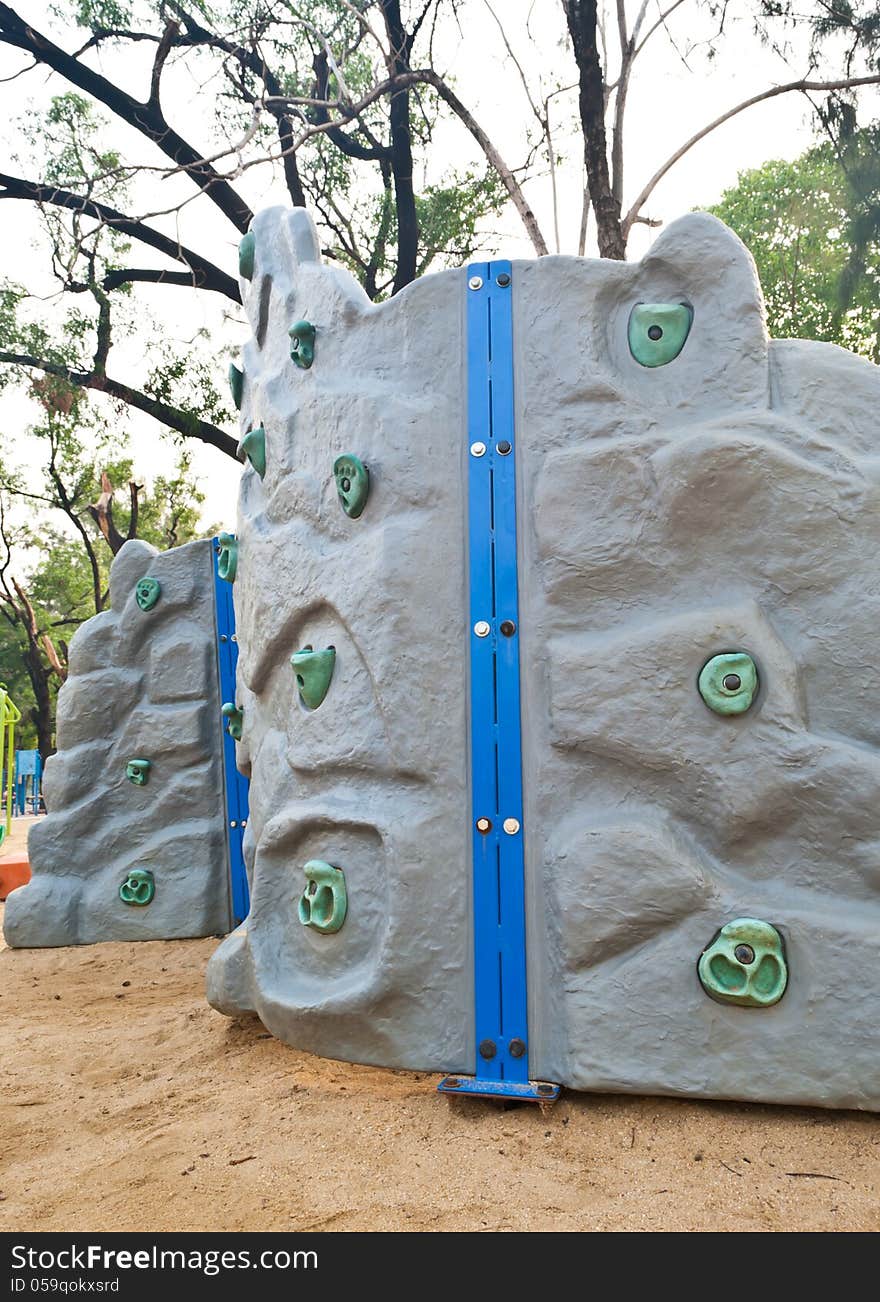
x=803, y=222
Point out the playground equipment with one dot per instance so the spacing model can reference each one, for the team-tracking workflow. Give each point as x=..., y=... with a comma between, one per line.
x=10, y=715
x=28, y=777
x=556, y=617
x=146, y=812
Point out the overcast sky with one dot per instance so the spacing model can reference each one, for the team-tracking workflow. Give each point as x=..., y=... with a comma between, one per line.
x=669, y=100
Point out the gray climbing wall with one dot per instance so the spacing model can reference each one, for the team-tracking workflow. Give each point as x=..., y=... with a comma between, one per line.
x=723, y=502
x=143, y=684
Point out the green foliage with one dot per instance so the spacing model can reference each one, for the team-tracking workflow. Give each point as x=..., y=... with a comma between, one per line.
x=817, y=253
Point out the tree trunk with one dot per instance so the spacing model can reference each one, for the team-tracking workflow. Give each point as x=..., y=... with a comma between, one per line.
x=582, y=24
x=41, y=712
x=401, y=149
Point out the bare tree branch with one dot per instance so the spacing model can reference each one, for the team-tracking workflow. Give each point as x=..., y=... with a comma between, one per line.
x=803, y=85
x=204, y=274
x=183, y=422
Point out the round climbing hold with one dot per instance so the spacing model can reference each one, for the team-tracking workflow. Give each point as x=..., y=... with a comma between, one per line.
x=728, y=683
x=302, y=344
x=138, y=887
x=352, y=484
x=147, y=592
x=745, y=964
x=246, y=250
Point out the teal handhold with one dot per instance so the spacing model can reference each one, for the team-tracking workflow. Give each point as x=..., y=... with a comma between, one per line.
x=147, y=593
x=247, y=247
x=227, y=558
x=745, y=964
x=234, y=717
x=302, y=343
x=313, y=670
x=138, y=771
x=138, y=887
x=352, y=483
x=253, y=445
x=236, y=384
x=324, y=902
x=729, y=683
x=658, y=331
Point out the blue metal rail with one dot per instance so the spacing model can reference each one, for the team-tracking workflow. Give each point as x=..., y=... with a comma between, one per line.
x=236, y=785
x=500, y=992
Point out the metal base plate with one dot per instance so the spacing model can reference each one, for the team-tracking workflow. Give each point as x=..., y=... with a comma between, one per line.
x=533, y=1091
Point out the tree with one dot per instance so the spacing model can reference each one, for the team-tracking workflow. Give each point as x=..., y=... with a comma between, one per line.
x=54, y=567
x=343, y=100
x=798, y=220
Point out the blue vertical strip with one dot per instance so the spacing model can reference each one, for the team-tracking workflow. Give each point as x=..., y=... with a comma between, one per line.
x=235, y=783
x=502, y=1063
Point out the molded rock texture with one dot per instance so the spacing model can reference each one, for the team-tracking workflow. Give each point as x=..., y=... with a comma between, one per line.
x=143, y=684
x=726, y=501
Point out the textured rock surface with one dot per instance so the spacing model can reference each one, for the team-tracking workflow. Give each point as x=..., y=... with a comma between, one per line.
x=725, y=501
x=143, y=684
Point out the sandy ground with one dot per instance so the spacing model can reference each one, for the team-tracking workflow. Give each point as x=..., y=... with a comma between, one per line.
x=127, y=1104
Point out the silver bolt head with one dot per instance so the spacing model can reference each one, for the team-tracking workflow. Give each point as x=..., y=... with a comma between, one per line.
x=511, y=826
x=475, y=282
x=482, y=629
x=478, y=449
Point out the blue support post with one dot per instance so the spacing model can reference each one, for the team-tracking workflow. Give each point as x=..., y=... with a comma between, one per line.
x=236, y=784
x=500, y=992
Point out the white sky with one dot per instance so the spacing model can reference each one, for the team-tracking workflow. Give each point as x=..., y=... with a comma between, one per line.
x=668, y=102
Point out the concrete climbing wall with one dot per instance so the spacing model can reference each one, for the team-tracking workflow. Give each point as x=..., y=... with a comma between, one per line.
x=716, y=498
x=117, y=859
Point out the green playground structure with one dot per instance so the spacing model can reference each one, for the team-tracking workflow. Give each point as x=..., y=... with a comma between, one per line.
x=10, y=715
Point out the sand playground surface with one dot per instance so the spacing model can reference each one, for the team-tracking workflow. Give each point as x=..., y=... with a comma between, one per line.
x=129, y=1104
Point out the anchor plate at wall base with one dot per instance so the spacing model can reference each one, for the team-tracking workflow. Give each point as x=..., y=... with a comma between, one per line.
x=530, y=1091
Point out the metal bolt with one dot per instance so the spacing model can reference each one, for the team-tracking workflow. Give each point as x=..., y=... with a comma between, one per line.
x=744, y=954
x=484, y=825
x=503, y=280
x=731, y=682
x=451, y=1083
x=478, y=449
x=232, y=823
x=223, y=637
x=504, y=447
x=511, y=826
x=482, y=629
x=508, y=628
x=545, y=1089
x=475, y=282
x=244, y=822
x=234, y=637
x=487, y=1049
x=516, y=1048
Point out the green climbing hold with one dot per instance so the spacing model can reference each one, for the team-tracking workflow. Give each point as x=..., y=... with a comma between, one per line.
x=302, y=343
x=324, y=902
x=729, y=683
x=138, y=887
x=147, y=593
x=253, y=445
x=234, y=717
x=247, y=247
x=658, y=331
x=227, y=558
x=745, y=964
x=138, y=772
x=313, y=670
x=352, y=483
x=236, y=384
